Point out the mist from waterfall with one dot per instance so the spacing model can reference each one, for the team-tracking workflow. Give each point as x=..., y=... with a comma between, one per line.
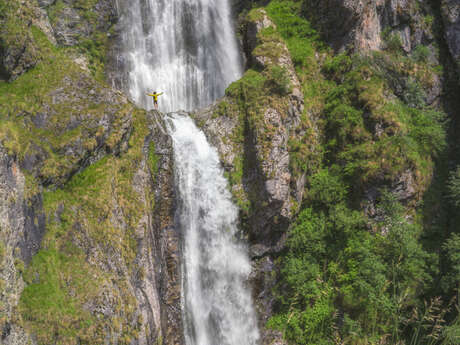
x=217, y=303
x=184, y=48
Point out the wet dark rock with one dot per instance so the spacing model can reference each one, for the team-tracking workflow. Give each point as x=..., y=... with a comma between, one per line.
x=166, y=238
x=21, y=230
x=263, y=281
x=45, y=3
x=17, y=59
x=404, y=186
x=450, y=10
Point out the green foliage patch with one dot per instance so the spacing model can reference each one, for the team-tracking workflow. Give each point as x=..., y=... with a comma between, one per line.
x=372, y=135
x=95, y=46
x=58, y=286
x=334, y=263
x=60, y=281
x=34, y=92
x=346, y=278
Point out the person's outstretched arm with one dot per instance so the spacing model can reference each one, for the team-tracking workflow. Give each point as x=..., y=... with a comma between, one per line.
x=148, y=94
x=160, y=93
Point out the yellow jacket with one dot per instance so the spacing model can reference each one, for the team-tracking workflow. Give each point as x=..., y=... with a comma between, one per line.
x=155, y=96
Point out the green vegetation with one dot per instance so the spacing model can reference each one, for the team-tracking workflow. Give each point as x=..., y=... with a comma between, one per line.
x=60, y=281
x=32, y=94
x=409, y=135
x=303, y=43
x=348, y=277
x=58, y=286
x=336, y=271
x=53, y=111
x=95, y=46
x=421, y=53
x=393, y=41
x=389, y=275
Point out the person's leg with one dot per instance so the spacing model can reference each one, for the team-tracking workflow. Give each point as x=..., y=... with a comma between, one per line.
x=156, y=105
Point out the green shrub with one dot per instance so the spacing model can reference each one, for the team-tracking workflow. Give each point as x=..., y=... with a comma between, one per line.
x=413, y=94
x=297, y=31
x=279, y=80
x=453, y=185
x=3, y=9
x=421, y=53
x=249, y=87
x=392, y=40
x=452, y=250
x=337, y=66
x=429, y=20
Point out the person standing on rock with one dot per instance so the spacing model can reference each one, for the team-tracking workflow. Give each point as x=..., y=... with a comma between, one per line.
x=155, y=98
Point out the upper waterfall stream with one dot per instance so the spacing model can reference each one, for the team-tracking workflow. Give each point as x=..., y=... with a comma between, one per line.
x=188, y=50
x=184, y=48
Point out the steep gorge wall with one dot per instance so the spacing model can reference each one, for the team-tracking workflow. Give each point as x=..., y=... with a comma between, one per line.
x=89, y=252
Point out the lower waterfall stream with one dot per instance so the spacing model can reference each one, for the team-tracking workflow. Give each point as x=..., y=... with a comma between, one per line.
x=217, y=304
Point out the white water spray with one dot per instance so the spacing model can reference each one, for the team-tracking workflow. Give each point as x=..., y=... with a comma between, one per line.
x=184, y=48
x=217, y=303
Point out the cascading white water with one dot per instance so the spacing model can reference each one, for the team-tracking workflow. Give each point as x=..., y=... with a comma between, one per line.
x=217, y=303
x=188, y=50
x=184, y=48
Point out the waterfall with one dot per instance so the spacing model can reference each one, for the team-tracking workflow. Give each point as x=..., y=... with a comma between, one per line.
x=217, y=304
x=188, y=50
x=184, y=48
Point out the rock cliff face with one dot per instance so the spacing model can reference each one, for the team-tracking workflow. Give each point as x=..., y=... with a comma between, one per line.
x=450, y=10
x=21, y=231
x=372, y=25
x=365, y=23
x=89, y=252
x=266, y=182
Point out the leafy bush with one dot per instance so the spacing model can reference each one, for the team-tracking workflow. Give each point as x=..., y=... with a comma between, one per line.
x=421, y=53
x=297, y=31
x=452, y=249
x=279, y=80
x=334, y=265
x=454, y=187
x=393, y=40
x=413, y=94
x=357, y=107
x=3, y=9
x=336, y=67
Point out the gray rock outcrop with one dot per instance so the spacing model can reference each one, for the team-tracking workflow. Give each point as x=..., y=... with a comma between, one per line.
x=73, y=23
x=364, y=23
x=21, y=231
